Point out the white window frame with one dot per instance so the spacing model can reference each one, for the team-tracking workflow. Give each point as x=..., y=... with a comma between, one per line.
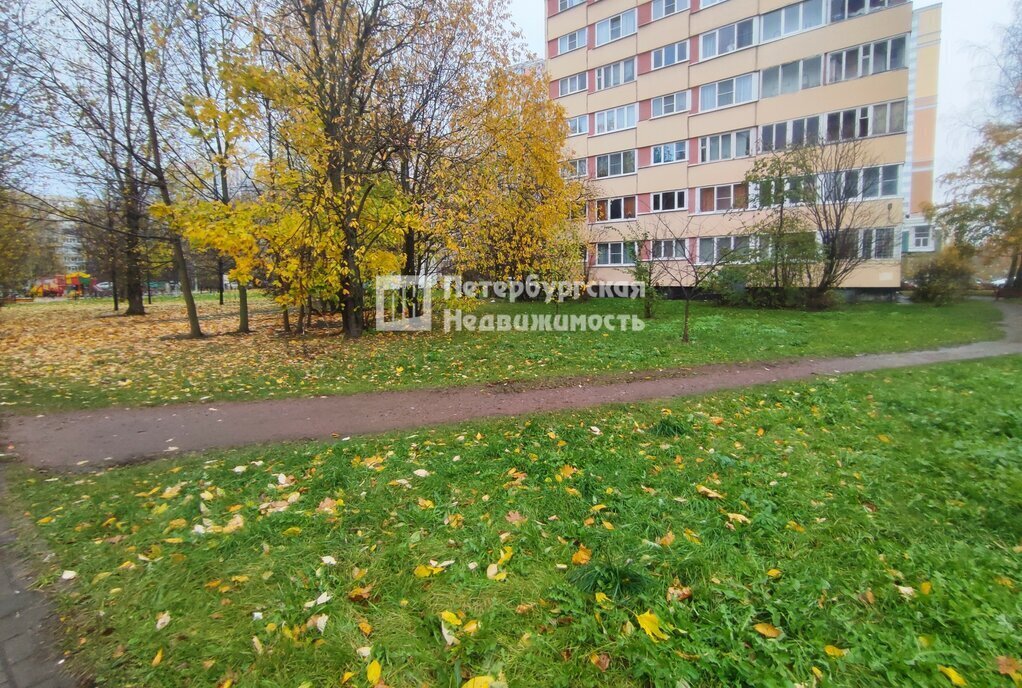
x=868, y=246
x=575, y=83
x=666, y=105
x=564, y=5
x=656, y=201
x=865, y=59
x=788, y=127
x=616, y=74
x=728, y=140
x=564, y=43
x=717, y=196
x=713, y=43
x=665, y=8
x=608, y=202
x=617, y=27
x=623, y=160
x=616, y=119
x=577, y=168
x=669, y=150
x=729, y=243
x=810, y=75
x=792, y=19
x=622, y=252
x=668, y=249
x=673, y=52
x=834, y=15
x=750, y=79
x=573, y=125
x=709, y=3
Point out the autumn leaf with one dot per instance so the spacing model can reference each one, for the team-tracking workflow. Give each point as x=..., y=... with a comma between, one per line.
x=1006, y=666
x=767, y=630
x=582, y=556
x=952, y=675
x=360, y=594
x=162, y=620
x=478, y=682
x=600, y=661
x=708, y=493
x=373, y=672
x=834, y=651
x=650, y=623
x=158, y=658
x=774, y=573
x=424, y=571
x=667, y=539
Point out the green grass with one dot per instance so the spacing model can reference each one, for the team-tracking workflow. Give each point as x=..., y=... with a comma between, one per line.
x=64, y=357
x=853, y=486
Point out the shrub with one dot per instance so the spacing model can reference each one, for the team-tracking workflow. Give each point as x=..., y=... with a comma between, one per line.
x=943, y=280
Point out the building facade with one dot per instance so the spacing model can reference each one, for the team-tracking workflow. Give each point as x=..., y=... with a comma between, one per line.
x=670, y=101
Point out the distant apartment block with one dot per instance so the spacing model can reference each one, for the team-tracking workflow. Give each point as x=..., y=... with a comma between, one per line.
x=670, y=101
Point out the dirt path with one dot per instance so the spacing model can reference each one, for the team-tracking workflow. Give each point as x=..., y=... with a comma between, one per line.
x=92, y=439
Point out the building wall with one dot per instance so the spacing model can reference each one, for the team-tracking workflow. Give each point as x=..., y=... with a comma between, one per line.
x=913, y=84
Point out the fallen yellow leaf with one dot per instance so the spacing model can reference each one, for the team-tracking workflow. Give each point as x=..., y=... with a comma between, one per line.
x=650, y=623
x=835, y=651
x=373, y=672
x=768, y=630
x=582, y=556
x=952, y=675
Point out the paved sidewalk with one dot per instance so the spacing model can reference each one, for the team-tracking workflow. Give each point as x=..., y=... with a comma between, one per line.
x=28, y=654
x=88, y=440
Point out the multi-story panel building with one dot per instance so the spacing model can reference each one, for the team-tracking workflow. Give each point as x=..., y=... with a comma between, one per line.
x=670, y=101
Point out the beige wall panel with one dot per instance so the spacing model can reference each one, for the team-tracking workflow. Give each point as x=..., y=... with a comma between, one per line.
x=614, y=51
x=567, y=64
x=609, y=143
x=613, y=187
x=573, y=105
x=721, y=15
x=663, y=81
x=883, y=150
x=922, y=190
x=608, y=8
x=664, y=177
x=930, y=19
x=723, y=67
x=847, y=94
x=663, y=31
x=726, y=172
x=726, y=119
x=566, y=22
x=927, y=72
x=613, y=97
x=925, y=136
x=875, y=273
x=663, y=130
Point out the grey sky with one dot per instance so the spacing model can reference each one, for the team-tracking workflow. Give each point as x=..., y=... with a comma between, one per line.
x=971, y=36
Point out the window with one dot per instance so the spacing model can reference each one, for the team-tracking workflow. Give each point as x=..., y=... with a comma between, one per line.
x=880, y=181
x=709, y=3
x=792, y=77
x=717, y=249
x=615, y=74
x=717, y=199
x=571, y=41
x=568, y=4
x=664, y=8
x=670, y=152
x=736, y=144
x=792, y=19
x=615, y=27
x=670, y=104
x=871, y=120
x=741, y=89
x=615, y=164
x=610, y=209
x=846, y=9
x=615, y=253
x=615, y=119
x=572, y=84
x=791, y=190
x=670, y=55
x=668, y=249
x=664, y=201
x=578, y=125
x=864, y=60
x=922, y=239
x=573, y=169
x=877, y=244
x=728, y=39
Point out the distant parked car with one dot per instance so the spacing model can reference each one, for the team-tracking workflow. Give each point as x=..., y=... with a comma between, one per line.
x=999, y=282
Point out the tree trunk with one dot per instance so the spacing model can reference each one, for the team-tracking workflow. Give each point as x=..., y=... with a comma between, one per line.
x=113, y=284
x=243, y=309
x=220, y=277
x=1015, y=271
x=354, y=296
x=194, y=330
x=287, y=321
x=132, y=270
x=684, y=333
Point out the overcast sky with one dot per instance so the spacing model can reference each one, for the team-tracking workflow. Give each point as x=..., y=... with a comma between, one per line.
x=970, y=38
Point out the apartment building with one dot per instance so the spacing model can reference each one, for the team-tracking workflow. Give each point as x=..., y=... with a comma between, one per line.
x=670, y=101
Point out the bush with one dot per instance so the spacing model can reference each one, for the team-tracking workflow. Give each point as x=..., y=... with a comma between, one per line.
x=943, y=280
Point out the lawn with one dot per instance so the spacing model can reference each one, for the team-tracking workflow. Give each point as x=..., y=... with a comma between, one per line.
x=66, y=356
x=855, y=531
